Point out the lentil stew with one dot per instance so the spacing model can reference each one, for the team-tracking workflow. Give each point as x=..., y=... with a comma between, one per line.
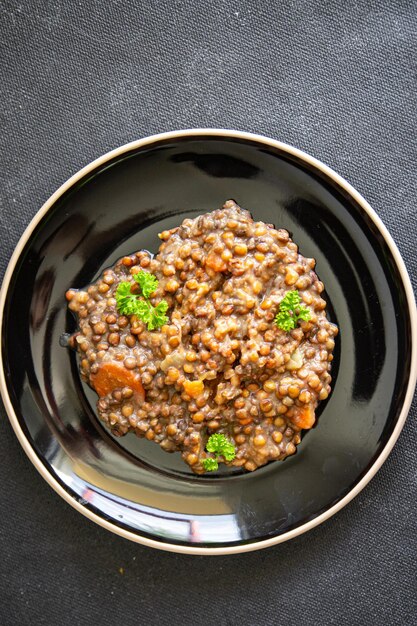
x=220, y=364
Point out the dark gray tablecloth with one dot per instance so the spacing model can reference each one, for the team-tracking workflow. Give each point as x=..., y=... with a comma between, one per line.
x=335, y=78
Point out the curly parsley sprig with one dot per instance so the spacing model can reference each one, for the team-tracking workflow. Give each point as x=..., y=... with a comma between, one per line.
x=290, y=311
x=129, y=303
x=219, y=446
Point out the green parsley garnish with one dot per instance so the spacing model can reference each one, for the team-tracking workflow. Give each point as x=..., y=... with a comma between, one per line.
x=210, y=464
x=218, y=445
x=148, y=282
x=290, y=311
x=129, y=303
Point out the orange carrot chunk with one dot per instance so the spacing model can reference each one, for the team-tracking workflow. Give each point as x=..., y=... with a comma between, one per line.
x=113, y=375
x=215, y=262
x=194, y=388
x=304, y=417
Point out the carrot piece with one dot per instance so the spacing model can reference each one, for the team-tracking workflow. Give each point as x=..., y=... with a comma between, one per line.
x=113, y=375
x=194, y=388
x=304, y=417
x=215, y=262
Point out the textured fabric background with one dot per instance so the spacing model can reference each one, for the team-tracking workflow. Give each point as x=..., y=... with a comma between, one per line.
x=335, y=78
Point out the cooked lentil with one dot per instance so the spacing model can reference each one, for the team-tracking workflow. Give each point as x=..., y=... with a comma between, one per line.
x=220, y=364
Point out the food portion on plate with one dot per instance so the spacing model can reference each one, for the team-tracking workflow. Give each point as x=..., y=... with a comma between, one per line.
x=218, y=346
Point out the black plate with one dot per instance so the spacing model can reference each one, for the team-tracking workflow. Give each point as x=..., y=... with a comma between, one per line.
x=118, y=205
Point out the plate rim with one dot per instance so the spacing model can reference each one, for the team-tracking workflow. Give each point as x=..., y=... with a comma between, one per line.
x=412, y=310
